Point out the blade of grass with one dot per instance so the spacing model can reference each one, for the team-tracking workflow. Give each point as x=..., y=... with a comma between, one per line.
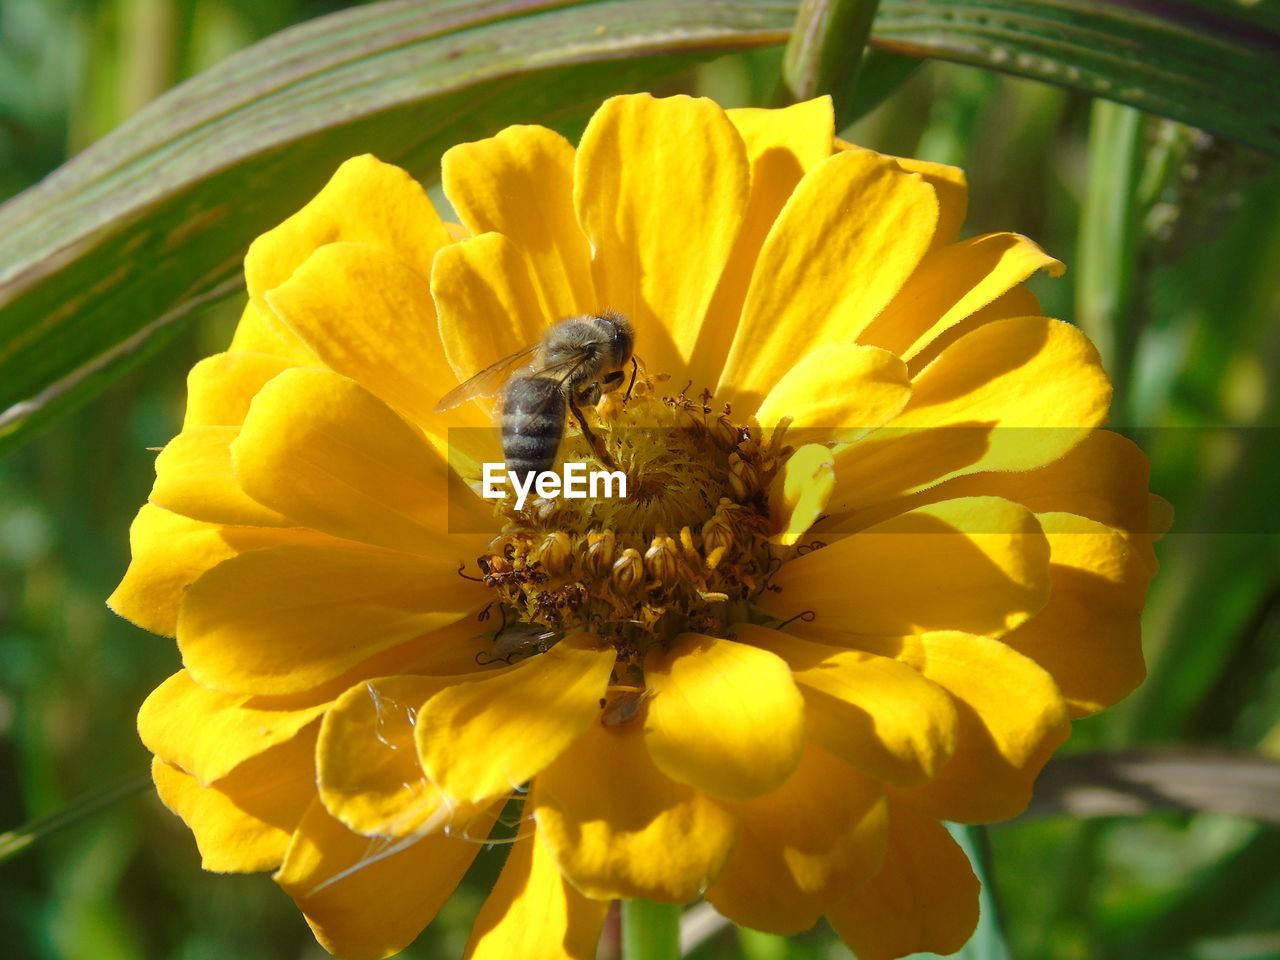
x=14, y=842
x=1107, y=256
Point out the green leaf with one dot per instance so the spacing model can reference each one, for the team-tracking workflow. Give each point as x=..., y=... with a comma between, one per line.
x=107, y=255
x=1209, y=64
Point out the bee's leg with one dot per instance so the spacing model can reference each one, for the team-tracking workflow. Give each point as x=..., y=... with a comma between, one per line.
x=596, y=445
x=590, y=394
x=635, y=368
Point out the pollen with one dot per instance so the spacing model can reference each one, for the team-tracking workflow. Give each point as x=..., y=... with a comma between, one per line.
x=685, y=550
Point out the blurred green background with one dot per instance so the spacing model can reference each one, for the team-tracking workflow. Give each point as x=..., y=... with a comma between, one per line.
x=1180, y=288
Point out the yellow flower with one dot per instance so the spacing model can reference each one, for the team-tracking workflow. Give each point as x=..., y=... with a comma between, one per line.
x=874, y=557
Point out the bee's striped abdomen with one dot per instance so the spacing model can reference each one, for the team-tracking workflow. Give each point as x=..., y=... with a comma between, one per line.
x=533, y=411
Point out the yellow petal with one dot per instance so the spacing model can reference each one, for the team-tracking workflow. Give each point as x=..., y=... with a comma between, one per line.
x=1017, y=302
x=533, y=913
x=289, y=618
x=661, y=188
x=924, y=899
x=871, y=711
x=242, y=824
x=520, y=184
x=1105, y=477
x=1089, y=636
x=487, y=304
x=260, y=331
x=367, y=765
x=170, y=552
x=822, y=832
x=800, y=491
x=838, y=392
x=194, y=478
x=952, y=189
x=724, y=717
x=802, y=134
x=366, y=201
x=1012, y=395
x=619, y=828
x=220, y=387
x=980, y=564
x=210, y=734
x=364, y=898
x=782, y=146
x=486, y=737
x=1011, y=718
x=322, y=450
x=369, y=316
x=950, y=185
x=952, y=283
x=846, y=241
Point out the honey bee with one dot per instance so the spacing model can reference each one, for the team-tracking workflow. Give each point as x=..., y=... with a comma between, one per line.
x=572, y=363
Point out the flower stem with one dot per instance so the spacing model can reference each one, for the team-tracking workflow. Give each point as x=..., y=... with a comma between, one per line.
x=825, y=50
x=650, y=931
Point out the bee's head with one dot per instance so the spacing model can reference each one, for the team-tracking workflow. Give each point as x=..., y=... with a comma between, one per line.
x=620, y=337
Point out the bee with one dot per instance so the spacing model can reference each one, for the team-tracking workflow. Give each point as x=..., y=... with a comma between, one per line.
x=572, y=363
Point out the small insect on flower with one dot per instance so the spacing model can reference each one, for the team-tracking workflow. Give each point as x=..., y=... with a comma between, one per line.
x=572, y=364
x=516, y=641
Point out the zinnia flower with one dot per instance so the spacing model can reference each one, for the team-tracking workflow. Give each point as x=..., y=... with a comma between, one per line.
x=874, y=556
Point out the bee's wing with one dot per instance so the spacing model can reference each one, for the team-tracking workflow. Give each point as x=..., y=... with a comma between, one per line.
x=487, y=382
x=558, y=372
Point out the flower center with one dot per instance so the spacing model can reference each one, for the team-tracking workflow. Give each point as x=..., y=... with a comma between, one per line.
x=684, y=550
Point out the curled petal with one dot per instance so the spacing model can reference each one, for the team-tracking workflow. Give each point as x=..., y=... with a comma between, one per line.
x=194, y=477
x=953, y=283
x=724, y=717
x=243, y=823
x=924, y=899
x=1011, y=718
x=369, y=316
x=484, y=738
x=619, y=827
x=1089, y=636
x=171, y=552
x=365, y=898
x=233, y=729
x=874, y=712
x=219, y=388
x=394, y=215
x=367, y=763
x=798, y=848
